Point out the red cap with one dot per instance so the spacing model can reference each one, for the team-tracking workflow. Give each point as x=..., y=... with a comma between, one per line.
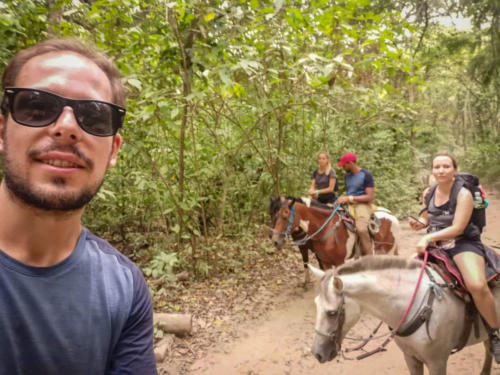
x=347, y=158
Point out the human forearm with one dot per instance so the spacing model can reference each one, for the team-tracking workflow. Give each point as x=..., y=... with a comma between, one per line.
x=448, y=233
x=365, y=198
x=360, y=198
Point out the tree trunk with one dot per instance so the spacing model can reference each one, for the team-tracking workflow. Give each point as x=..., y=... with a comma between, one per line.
x=186, y=74
x=54, y=18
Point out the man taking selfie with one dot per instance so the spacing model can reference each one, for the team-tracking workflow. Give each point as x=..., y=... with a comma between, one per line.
x=70, y=303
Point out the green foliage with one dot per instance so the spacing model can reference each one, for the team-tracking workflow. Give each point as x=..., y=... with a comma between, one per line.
x=161, y=265
x=230, y=102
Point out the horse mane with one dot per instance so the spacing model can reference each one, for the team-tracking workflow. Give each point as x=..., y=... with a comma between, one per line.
x=275, y=204
x=377, y=262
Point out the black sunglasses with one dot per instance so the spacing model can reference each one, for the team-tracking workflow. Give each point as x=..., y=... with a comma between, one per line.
x=38, y=108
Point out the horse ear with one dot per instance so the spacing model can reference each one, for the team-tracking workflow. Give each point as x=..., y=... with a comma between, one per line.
x=338, y=284
x=318, y=274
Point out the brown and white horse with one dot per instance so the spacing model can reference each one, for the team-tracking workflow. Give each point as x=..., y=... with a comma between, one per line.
x=382, y=286
x=332, y=242
x=297, y=236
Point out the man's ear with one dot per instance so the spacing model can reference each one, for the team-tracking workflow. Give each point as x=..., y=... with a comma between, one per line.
x=117, y=141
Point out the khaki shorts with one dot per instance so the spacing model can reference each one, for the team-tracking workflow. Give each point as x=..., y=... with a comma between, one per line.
x=360, y=210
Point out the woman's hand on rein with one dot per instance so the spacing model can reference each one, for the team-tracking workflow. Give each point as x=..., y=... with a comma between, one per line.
x=422, y=244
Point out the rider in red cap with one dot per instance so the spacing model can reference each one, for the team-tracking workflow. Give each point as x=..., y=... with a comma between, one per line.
x=360, y=191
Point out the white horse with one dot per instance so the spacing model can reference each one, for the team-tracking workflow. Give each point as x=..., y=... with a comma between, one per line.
x=383, y=286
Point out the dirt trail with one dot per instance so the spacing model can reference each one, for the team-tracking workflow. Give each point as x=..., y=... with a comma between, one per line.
x=280, y=341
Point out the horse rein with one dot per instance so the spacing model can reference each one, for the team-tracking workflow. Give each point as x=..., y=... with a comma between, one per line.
x=291, y=218
x=417, y=287
x=309, y=237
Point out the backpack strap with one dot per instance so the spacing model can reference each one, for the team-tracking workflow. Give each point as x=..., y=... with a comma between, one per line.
x=457, y=185
x=428, y=197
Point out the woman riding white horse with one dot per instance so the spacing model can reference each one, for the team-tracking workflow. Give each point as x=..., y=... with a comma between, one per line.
x=456, y=232
x=382, y=286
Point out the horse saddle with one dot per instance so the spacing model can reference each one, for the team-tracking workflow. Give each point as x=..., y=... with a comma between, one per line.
x=350, y=222
x=440, y=260
x=444, y=265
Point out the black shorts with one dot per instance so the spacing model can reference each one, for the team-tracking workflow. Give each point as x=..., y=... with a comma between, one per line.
x=327, y=198
x=463, y=245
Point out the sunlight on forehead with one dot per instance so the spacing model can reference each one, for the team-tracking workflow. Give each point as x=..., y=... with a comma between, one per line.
x=67, y=74
x=442, y=161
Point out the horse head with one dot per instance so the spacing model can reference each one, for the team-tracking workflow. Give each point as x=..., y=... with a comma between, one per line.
x=283, y=221
x=335, y=315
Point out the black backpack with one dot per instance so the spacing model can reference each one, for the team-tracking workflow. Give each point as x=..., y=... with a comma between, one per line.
x=471, y=183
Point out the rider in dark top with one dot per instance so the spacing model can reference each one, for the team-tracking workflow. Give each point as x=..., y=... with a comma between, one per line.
x=454, y=232
x=323, y=181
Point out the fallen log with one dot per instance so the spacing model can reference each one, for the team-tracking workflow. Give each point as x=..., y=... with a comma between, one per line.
x=164, y=347
x=178, y=324
x=182, y=276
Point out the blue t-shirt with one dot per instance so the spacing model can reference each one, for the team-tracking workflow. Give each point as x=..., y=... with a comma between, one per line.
x=90, y=314
x=357, y=183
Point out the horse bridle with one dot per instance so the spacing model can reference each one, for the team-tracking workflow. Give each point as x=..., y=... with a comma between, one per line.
x=340, y=312
x=291, y=218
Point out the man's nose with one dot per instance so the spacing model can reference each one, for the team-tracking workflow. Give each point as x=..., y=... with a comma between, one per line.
x=66, y=128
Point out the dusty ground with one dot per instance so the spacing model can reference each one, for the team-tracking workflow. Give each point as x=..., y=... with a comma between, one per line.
x=268, y=329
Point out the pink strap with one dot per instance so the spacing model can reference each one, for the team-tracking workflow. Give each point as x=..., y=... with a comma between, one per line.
x=414, y=294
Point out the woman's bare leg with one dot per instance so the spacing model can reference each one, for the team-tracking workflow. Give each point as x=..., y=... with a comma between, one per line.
x=471, y=266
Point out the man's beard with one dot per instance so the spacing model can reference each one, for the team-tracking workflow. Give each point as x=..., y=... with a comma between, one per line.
x=22, y=189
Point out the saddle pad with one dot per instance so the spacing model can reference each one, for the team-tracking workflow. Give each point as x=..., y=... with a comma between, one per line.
x=348, y=218
x=352, y=212
x=349, y=223
x=450, y=272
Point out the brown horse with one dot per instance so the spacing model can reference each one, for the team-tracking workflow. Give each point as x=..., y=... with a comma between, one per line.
x=327, y=230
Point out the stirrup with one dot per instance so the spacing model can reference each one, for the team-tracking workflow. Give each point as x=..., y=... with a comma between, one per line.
x=494, y=336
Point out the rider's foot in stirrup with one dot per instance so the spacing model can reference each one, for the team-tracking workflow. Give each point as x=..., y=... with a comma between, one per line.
x=495, y=344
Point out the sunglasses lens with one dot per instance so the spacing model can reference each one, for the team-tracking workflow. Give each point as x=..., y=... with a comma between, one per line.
x=95, y=117
x=35, y=108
